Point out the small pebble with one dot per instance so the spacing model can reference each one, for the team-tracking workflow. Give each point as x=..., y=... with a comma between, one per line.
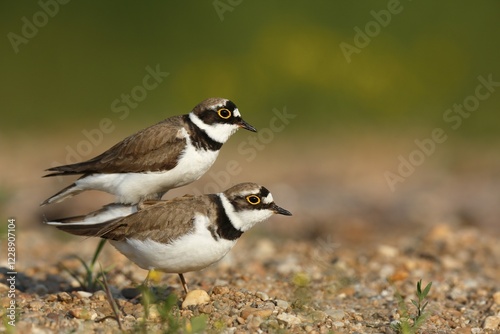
x=263, y=313
x=336, y=315
x=262, y=295
x=4, y=287
x=64, y=297
x=254, y=322
x=338, y=324
x=83, y=313
x=492, y=322
x=99, y=295
x=207, y=309
x=36, y=305
x=84, y=294
x=318, y=316
x=388, y=251
x=220, y=290
x=130, y=293
x=496, y=297
x=282, y=304
x=153, y=313
x=288, y=319
x=196, y=297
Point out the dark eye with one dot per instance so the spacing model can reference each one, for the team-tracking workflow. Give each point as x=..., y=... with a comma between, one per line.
x=253, y=199
x=224, y=113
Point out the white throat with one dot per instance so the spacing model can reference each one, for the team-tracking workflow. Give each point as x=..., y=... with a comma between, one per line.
x=218, y=132
x=245, y=219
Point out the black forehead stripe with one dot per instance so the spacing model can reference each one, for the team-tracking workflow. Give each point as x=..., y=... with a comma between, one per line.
x=200, y=139
x=264, y=192
x=225, y=228
x=230, y=105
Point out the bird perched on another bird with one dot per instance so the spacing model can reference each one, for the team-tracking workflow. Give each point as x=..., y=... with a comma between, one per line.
x=167, y=155
x=180, y=235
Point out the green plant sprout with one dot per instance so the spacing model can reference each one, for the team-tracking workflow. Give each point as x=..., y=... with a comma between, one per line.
x=90, y=281
x=410, y=323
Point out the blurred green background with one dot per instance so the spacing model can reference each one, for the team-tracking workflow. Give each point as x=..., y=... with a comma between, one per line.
x=262, y=55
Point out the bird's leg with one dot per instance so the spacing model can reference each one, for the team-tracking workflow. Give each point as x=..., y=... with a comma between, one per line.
x=145, y=283
x=183, y=281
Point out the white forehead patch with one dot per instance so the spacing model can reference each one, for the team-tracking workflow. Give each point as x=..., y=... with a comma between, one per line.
x=268, y=199
x=236, y=112
x=249, y=192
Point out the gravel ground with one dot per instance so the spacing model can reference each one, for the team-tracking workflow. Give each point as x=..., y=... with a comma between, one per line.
x=340, y=264
x=290, y=286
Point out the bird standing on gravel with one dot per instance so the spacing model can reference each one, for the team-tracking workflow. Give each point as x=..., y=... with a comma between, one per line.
x=167, y=155
x=180, y=235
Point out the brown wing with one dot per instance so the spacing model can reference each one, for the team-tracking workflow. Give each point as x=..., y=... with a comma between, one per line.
x=162, y=222
x=152, y=149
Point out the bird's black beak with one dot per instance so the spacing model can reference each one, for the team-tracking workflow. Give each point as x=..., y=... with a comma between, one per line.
x=281, y=211
x=245, y=125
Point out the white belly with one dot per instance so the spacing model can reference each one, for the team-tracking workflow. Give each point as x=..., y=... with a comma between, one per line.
x=134, y=187
x=191, y=252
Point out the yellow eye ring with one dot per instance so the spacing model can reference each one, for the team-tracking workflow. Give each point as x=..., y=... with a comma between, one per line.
x=253, y=199
x=224, y=113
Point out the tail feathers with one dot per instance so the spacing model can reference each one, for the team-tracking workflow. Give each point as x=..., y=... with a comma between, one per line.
x=95, y=223
x=59, y=173
x=78, y=168
x=67, y=192
x=83, y=230
x=105, y=214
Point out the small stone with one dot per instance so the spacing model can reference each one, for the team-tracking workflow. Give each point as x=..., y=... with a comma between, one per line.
x=207, y=309
x=221, y=282
x=195, y=297
x=99, y=295
x=256, y=312
x=338, y=324
x=84, y=294
x=335, y=315
x=130, y=293
x=64, y=297
x=83, y=313
x=4, y=287
x=270, y=326
x=388, y=251
x=262, y=295
x=35, y=305
x=496, y=297
x=399, y=275
x=282, y=304
x=220, y=290
x=492, y=322
x=440, y=232
x=318, y=316
x=254, y=322
x=153, y=313
x=458, y=295
x=288, y=319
